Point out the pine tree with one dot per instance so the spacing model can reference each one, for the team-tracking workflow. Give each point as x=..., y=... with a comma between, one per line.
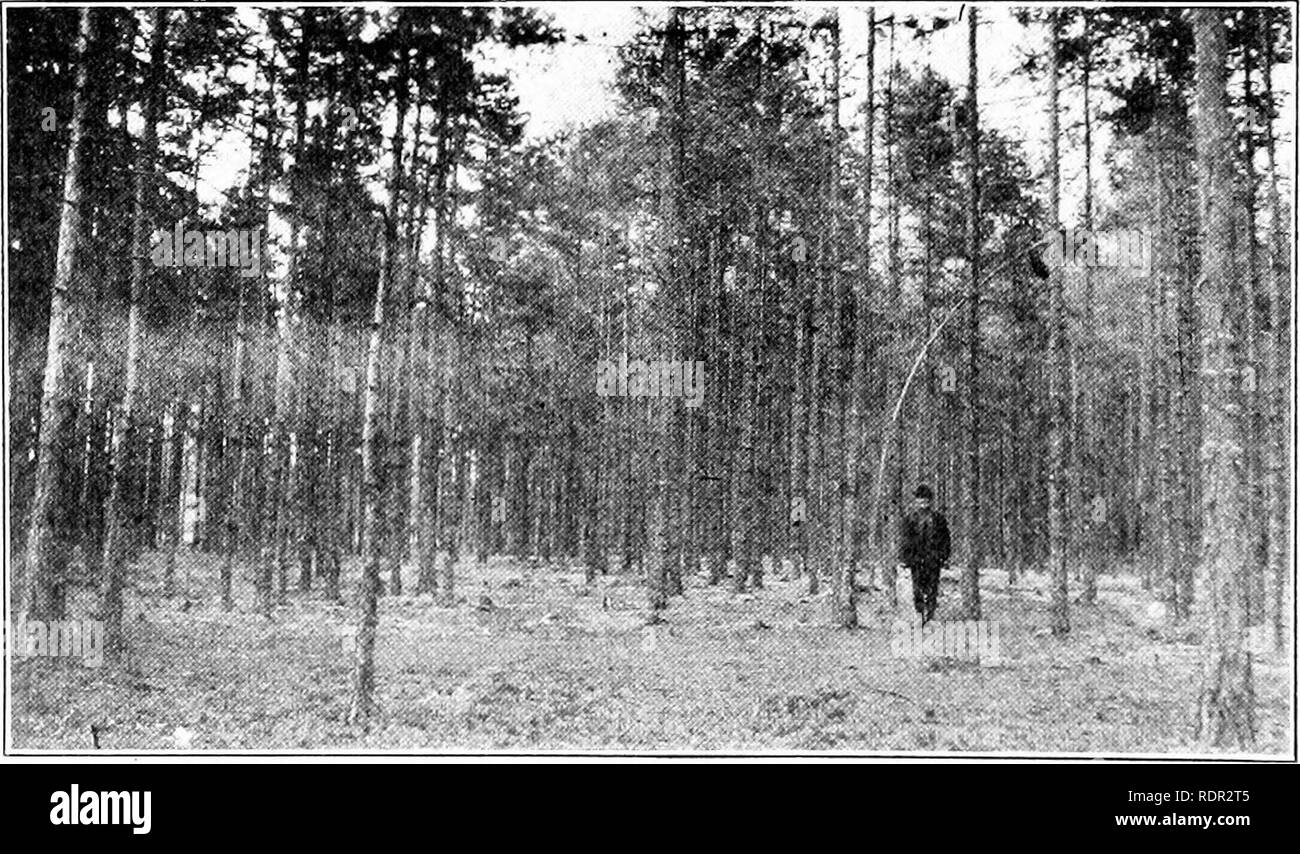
x=46, y=559
x=1057, y=397
x=1226, y=710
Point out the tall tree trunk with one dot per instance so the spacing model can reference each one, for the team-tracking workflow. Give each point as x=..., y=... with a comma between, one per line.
x=123, y=423
x=1187, y=405
x=1086, y=426
x=858, y=525
x=676, y=508
x=1277, y=344
x=875, y=547
x=406, y=443
x=272, y=509
x=424, y=507
x=891, y=434
x=238, y=454
x=363, y=699
x=285, y=445
x=450, y=510
x=299, y=522
x=970, y=589
x=1057, y=372
x=658, y=554
x=46, y=559
x=844, y=587
x=1225, y=714
x=1255, y=375
x=818, y=527
x=335, y=498
x=800, y=410
x=451, y=470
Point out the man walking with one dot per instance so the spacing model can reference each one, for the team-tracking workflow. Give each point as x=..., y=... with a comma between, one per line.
x=923, y=547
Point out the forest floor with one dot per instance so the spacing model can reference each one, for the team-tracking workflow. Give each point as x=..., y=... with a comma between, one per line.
x=555, y=666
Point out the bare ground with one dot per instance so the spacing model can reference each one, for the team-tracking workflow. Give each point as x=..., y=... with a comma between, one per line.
x=555, y=666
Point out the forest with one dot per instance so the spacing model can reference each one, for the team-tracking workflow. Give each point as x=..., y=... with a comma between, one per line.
x=361, y=413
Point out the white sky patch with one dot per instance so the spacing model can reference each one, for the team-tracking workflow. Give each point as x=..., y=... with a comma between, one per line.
x=572, y=83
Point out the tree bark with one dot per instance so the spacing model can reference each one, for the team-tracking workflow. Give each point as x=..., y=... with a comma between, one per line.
x=272, y=510
x=844, y=584
x=46, y=559
x=124, y=420
x=858, y=400
x=1277, y=344
x=1057, y=395
x=363, y=699
x=970, y=589
x=1085, y=425
x=1225, y=714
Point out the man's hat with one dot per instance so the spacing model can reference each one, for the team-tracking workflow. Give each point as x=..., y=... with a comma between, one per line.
x=924, y=491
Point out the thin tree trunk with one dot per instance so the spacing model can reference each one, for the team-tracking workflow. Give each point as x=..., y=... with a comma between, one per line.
x=844, y=586
x=167, y=495
x=423, y=508
x=1057, y=395
x=363, y=699
x=46, y=559
x=123, y=423
x=451, y=470
x=1086, y=427
x=1255, y=378
x=661, y=552
x=970, y=590
x=1277, y=344
x=272, y=508
x=892, y=436
x=857, y=530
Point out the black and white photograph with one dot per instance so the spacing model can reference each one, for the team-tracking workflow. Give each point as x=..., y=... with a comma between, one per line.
x=909, y=380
